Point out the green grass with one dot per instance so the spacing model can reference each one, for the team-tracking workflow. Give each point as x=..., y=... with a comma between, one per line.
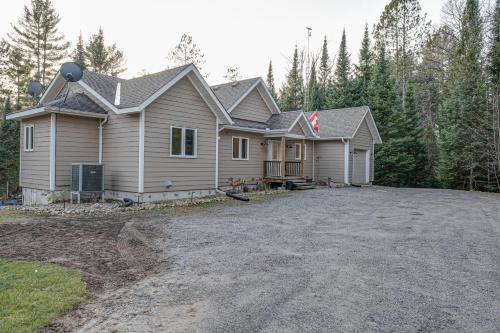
x=33, y=294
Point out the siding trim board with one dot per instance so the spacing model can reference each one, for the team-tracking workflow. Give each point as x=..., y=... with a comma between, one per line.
x=346, y=161
x=140, y=181
x=52, y=163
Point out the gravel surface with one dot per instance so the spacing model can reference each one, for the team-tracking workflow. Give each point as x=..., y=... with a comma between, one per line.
x=350, y=260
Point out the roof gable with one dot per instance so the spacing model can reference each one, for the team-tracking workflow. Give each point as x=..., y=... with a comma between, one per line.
x=234, y=93
x=253, y=107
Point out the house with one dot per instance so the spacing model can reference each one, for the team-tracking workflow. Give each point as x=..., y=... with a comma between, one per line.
x=169, y=135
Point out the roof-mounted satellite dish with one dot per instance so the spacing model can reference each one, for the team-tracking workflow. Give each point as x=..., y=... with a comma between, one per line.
x=71, y=72
x=34, y=89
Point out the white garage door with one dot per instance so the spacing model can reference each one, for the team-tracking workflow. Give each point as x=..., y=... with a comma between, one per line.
x=360, y=166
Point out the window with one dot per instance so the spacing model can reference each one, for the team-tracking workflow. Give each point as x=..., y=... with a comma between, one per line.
x=240, y=148
x=29, y=137
x=298, y=151
x=183, y=142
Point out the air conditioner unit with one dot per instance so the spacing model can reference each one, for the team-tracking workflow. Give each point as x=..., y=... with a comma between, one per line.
x=87, y=178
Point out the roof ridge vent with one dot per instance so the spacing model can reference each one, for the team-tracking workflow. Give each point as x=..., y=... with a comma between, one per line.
x=235, y=84
x=117, y=95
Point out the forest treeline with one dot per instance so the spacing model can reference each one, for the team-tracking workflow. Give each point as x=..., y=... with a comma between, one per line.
x=433, y=88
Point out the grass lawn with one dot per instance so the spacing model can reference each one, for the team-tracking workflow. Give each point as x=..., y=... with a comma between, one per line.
x=33, y=294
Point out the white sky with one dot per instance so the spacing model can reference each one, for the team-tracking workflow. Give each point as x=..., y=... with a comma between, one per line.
x=230, y=33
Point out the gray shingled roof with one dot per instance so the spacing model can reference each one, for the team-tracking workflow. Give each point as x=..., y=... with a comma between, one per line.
x=133, y=91
x=229, y=93
x=77, y=102
x=281, y=121
x=339, y=123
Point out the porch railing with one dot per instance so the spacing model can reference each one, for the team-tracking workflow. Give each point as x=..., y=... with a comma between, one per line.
x=292, y=168
x=273, y=168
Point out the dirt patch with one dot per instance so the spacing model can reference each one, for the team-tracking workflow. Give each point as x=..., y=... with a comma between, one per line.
x=108, y=253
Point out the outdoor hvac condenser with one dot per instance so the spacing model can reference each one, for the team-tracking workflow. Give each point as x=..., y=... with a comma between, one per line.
x=87, y=179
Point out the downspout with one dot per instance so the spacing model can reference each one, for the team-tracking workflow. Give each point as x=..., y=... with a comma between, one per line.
x=101, y=125
x=314, y=158
x=52, y=153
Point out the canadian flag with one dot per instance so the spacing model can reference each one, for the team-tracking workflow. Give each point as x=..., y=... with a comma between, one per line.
x=313, y=119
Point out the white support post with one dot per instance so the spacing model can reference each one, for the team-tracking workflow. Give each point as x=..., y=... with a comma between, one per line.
x=216, y=153
x=52, y=163
x=346, y=162
x=367, y=166
x=140, y=182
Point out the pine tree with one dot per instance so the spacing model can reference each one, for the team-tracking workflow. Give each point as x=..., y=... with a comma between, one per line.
x=325, y=72
x=270, y=81
x=363, y=70
x=36, y=33
x=314, y=97
x=78, y=55
x=104, y=59
x=494, y=76
x=462, y=115
x=341, y=94
x=402, y=26
x=187, y=52
x=18, y=72
x=292, y=92
x=9, y=151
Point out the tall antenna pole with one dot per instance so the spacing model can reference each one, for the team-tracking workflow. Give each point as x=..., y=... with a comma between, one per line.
x=306, y=97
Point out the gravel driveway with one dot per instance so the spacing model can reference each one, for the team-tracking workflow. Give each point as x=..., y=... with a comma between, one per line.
x=350, y=260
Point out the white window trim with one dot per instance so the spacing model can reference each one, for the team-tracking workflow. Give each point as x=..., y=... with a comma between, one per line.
x=32, y=141
x=183, y=142
x=295, y=151
x=239, y=148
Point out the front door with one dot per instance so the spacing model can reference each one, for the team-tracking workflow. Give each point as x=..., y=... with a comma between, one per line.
x=274, y=151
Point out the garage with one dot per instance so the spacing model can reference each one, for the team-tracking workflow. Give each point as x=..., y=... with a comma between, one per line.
x=360, y=166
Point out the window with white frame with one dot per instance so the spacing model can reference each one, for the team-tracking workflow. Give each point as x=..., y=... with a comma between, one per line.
x=298, y=151
x=183, y=142
x=29, y=137
x=240, y=148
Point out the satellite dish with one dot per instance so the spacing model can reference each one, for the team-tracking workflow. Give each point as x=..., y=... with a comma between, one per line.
x=71, y=72
x=34, y=89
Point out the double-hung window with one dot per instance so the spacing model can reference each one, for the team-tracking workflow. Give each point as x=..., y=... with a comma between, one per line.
x=29, y=137
x=240, y=148
x=183, y=142
x=298, y=151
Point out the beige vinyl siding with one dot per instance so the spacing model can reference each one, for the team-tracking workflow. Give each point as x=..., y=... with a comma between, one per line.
x=35, y=165
x=77, y=141
x=331, y=160
x=297, y=129
x=121, y=152
x=362, y=140
x=253, y=108
x=246, y=169
x=180, y=106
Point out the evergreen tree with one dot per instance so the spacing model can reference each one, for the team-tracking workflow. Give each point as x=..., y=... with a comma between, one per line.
x=18, y=71
x=292, y=92
x=341, y=94
x=325, y=72
x=402, y=26
x=104, y=59
x=270, y=81
x=187, y=52
x=78, y=55
x=9, y=151
x=313, y=90
x=462, y=115
x=36, y=33
x=363, y=70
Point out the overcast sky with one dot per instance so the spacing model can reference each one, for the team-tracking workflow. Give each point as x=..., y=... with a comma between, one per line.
x=230, y=33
